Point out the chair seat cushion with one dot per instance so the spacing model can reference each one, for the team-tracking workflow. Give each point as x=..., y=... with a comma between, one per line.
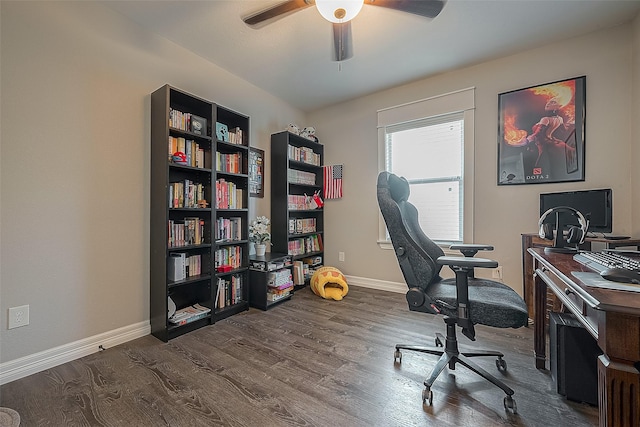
x=491, y=303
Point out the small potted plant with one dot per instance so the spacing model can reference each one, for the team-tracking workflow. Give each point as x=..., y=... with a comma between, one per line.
x=259, y=234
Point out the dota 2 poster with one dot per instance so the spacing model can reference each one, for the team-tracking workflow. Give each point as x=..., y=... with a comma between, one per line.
x=541, y=133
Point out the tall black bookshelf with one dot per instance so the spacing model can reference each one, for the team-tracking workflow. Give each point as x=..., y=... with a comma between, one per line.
x=297, y=225
x=186, y=267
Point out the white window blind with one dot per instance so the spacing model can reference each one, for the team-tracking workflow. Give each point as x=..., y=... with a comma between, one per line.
x=434, y=153
x=429, y=154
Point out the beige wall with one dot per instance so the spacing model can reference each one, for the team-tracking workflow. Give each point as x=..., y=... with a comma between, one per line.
x=635, y=132
x=501, y=213
x=75, y=106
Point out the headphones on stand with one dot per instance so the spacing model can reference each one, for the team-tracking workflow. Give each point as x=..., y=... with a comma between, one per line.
x=575, y=236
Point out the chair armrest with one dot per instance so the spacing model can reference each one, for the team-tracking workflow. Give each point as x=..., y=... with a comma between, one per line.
x=463, y=269
x=470, y=249
x=466, y=262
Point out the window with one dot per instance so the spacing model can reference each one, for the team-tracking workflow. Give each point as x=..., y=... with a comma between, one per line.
x=430, y=142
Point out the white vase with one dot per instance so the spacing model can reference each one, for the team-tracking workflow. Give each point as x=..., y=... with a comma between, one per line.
x=261, y=249
x=252, y=248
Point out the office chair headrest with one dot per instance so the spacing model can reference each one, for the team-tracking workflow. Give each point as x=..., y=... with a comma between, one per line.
x=398, y=186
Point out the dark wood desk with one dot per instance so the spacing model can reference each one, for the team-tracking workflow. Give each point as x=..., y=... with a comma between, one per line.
x=612, y=317
x=530, y=240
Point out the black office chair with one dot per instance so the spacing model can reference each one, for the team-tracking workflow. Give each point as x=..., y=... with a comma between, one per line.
x=464, y=301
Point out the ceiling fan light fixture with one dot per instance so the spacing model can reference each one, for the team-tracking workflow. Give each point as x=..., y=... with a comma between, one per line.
x=338, y=11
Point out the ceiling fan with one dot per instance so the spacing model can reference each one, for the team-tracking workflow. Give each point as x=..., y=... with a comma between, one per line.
x=340, y=13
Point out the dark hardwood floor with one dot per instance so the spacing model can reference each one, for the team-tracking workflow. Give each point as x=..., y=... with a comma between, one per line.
x=307, y=362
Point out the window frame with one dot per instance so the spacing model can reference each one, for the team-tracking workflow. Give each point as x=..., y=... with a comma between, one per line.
x=462, y=101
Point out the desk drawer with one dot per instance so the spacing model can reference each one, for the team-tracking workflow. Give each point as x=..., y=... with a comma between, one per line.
x=572, y=301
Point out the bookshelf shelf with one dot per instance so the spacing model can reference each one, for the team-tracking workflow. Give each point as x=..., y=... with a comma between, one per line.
x=296, y=158
x=188, y=247
x=315, y=187
x=177, y=330
x=305, y=210
x=188, y=281
x=182, y=231
x=192, y=210
x=311, y=233
x=190, y=168
x=175, y=131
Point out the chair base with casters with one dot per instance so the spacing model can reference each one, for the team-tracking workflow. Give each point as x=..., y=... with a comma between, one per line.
x=450, y=356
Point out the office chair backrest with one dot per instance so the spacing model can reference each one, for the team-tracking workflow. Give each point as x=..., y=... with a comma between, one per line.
x=416, y=253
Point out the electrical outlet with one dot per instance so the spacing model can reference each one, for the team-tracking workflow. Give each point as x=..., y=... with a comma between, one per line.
x=341, y=256
x=496, y=273
x=18, y=316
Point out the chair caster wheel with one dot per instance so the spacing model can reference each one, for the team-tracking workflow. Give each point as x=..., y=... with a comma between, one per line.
x=427, y=395
x=501, y=364
x=397, y=357
x=439, y=342
x=510, y=404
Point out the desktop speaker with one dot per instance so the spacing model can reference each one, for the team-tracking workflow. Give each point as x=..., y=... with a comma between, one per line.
x=573, y=358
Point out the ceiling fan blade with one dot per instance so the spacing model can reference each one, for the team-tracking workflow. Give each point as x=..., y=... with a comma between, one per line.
x=278, y=11
x=426, y=8
x=342, y=41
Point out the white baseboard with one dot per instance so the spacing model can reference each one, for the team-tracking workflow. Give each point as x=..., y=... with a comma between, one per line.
x=381, y=285
x=25, y=366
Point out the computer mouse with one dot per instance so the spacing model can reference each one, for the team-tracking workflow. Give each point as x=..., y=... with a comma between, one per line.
x=621, y=275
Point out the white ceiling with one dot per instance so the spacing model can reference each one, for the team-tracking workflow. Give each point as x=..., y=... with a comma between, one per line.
x=291, y=57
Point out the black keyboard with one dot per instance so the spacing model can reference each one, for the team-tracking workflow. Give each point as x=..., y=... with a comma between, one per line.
x=599, y=261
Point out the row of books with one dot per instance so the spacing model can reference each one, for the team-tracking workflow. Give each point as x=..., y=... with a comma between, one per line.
x=301, y=177
x=228, y=256
x=235, y=136
x=301, y=202
x=230, y=163
x=186, y=194
x=302, y=225
x=187, y=122
x=300, y=271
x=228, y=229
x=305, y=245
x=304, y=154
x=304, y=269
x=229, y=291
x=189, y=314
x=229, y=195
x=274, y=295
x=188, y=232
x=194, y=154
x=280, y=279
x=182, y=265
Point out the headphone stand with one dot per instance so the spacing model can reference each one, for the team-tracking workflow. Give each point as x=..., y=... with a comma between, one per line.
x=559, y=244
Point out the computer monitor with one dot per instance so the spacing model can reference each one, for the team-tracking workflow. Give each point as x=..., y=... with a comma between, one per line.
x=595, y=205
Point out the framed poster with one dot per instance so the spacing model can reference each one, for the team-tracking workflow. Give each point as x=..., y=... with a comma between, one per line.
x=541, y=133
x=256, y=172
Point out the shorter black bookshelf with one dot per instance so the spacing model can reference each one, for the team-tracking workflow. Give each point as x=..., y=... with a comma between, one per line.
x=270, y=280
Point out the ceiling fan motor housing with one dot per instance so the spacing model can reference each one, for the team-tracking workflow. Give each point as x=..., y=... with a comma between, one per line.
x=339, y=11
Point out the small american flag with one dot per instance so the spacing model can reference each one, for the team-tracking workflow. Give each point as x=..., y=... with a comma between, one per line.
x=333, y=182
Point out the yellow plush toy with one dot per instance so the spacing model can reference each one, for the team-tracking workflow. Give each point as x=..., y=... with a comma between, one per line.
x=329, y=283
